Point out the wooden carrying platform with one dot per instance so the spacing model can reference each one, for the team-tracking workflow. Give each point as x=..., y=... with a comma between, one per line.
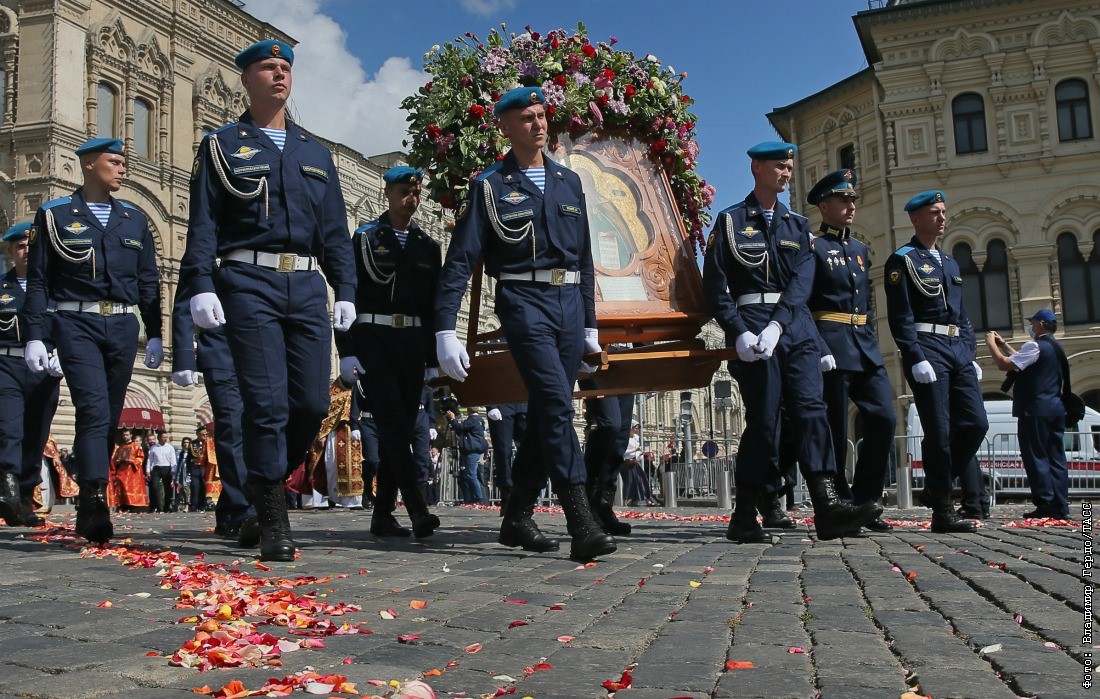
x=648, y=286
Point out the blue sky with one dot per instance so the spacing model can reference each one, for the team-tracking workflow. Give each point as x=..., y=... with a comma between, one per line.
x=359, y=58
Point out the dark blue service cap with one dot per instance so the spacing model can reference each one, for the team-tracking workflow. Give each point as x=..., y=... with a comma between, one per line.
x=403, y=173
x=932, y=196
x=272, y=48
x=773, y=150
x=1045, y=315
x=102, y=145
x=17, y=232
x=842, y=182
x=519, y=98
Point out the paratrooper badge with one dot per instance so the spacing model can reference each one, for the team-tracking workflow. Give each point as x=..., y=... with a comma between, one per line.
x=462, y=208
x=927, y=268
x=748, y=232
x=76, y=228
x=245, y=153
x=515, y=198
x=32, y=233
x=895, y=276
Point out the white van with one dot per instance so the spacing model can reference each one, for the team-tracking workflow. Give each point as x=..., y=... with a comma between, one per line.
x=999, y=455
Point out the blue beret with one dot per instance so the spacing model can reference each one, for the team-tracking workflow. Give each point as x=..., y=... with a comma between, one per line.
x=773, y=150
x=841, y=182
x=17, y=232
x=102, y=145
x=272, y=48
x=519, y=98
x=1045, y=315
x=403, y=173
x=932, y=196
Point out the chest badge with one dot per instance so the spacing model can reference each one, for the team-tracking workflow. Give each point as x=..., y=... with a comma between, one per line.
x=245, y=153
x=515, y=198
x=927, y=268
x=748, y=232
x=76, y=228
x=6, y=299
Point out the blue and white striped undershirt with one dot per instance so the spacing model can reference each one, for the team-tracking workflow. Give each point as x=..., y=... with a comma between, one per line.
x=537, y=175
x=936, y=254
x=402, y=236
x=769, y=214
x=101, y=211
x=278, y=136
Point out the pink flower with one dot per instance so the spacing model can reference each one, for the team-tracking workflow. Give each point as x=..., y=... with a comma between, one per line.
x=576, y=123
x=602, y=82
x=597, y=115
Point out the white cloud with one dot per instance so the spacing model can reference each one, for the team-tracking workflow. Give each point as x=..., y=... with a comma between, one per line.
x=486, y=8
x=332, y=94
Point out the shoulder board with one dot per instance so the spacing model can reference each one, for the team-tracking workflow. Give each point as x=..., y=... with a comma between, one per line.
x=226, y=127
x=127, y=204
x=797, y=215
x=57, y=202
x=366, y=227
x=901, y=252
x=739, y=205
x=489, y=170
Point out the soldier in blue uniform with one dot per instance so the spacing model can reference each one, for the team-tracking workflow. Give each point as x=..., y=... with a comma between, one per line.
x=365, y=431
x=390, y=349
x=266, y=200
x=757, y=276
x=840, y=304
x=527, y=216
x=92, y=258
x=207, y=352
x=507, y=425
x=924, y=297
x=28, y=400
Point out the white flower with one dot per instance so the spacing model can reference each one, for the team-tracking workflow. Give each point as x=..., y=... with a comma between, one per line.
x=651, y=58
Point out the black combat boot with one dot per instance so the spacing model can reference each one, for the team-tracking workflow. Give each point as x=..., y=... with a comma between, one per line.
x=834, y=518
x=601, y=496
x=416, y=504
x=11, y=509
x=944, y=518
x=518, y=527
x=772, y=511
x=589, y=539
x=743, y=528
x=382, y=521
x=269, y=499
x=30, y=517
x=249, y=533
x=93, y=516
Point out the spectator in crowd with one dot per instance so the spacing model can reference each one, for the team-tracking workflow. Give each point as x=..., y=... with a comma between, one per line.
x=471, y=446
x=160, y=470
x=182, y=489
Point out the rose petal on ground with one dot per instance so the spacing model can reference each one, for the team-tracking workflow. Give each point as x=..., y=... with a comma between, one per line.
x=911, y=576
x=504, y=678
x=318, y=688
x=105, y=604
x=417, y=604
x=387, y=614
x=797, y=650
x=992, y=648
x=408, y=638
x=565, y=639
x=473, y=648
x=694, y=583
x=514, y=601
x=516, y=623
x=739, y=665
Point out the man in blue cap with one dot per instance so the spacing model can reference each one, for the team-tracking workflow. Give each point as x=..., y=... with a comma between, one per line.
x=840, y=304
x=757, y=276
x=266, y=200
x=390, y=350
x=93, y=259
x=924, y=299
x=526, y=214
x=1039, y=372
x=28, y=400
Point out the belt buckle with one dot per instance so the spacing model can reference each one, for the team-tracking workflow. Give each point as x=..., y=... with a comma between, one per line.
x=106, y=308
x=557, y=277
x=952, y=331
x=288, y=262
x=855, y=319
x=399, y=320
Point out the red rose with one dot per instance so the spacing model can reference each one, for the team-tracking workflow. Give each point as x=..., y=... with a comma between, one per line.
x=685, y=99
x=589, y=50
x=434, y=131
x=604, y=99
x=428, y=86
x=659, y=146
x=649, y=84
x=608, y=73
x=500, y=156
x=561, y=80
x=550, y=109
x=476, y=111
x=554, y=43
x=631, y=91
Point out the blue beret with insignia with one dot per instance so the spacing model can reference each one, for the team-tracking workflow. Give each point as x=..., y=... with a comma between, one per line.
x=1045, y=315
x=842, y=182
x=102, y=145
x=932, y=196
x=519, y=98
x=272, y=48
x=17, y=232
x=773, y=150
x=403, y=173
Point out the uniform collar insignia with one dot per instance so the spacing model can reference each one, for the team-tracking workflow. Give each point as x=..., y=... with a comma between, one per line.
x=245, y=153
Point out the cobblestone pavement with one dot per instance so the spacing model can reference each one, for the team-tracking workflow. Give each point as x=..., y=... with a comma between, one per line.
x=863, y=617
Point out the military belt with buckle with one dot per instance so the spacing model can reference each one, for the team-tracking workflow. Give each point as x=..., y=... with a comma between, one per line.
x=939, y=329
x=279, y=261
x=397, y=320
x=856, y=319
x=103, y=308
x=750, y=299
x=11, y=352
x=553, y=277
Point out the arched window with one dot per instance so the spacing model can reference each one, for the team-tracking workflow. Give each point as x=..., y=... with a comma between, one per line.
x=106, y=115
x=972, y=284
x=1076, y=276
x=969, y=114
x=986, y=291
x=1074, y=118
x=846, y=156
x=143, y=129
x=1094, y=278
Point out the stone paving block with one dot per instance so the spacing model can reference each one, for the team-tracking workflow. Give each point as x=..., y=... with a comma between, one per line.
x=947, y=683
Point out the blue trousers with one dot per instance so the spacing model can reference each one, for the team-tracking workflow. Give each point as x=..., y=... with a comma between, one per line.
x=281, y=340
x=468, y=482
x=1044, y=455
x=870, y=391
x=225, y=401
x=422, y=445
x=28, y=401
x=607, y=439
x=505, y=432
x=97, y=354
x=544, y=327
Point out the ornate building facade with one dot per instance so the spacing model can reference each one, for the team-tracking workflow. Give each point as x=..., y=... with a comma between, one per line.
x=995, y=103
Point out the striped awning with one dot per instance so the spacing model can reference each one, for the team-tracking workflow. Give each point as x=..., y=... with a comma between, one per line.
x=204, y=414
x=139, y=412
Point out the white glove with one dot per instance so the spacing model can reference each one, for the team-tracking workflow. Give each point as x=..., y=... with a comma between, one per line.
x=768, y=339
x=154, y=352
x=591, y=344
x=923, y=372
x=432, y=373
x=350, y=369
x=206, y=310
x=53, y=367
x=828, y=363
x=744, y=345
x=185, y=378
x=453, y=359
x=36, y=356
x=356, y=436
x=977, y=370
x=432, y=433
x=494, y=414
x=343, y=315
